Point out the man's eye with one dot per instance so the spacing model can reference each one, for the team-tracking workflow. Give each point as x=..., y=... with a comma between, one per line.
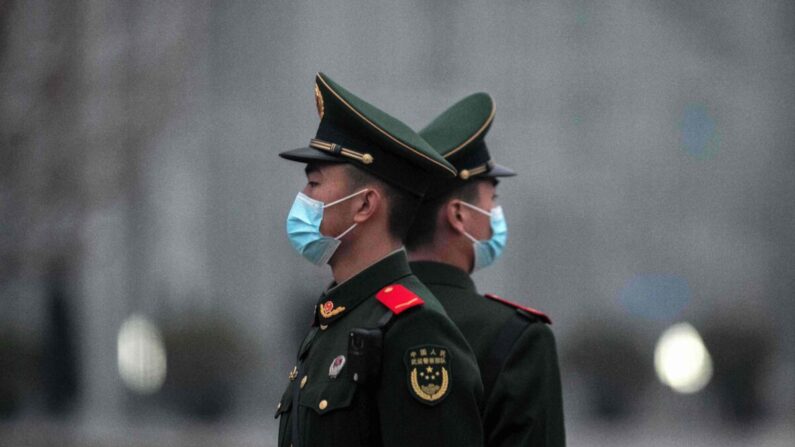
x=313, y=184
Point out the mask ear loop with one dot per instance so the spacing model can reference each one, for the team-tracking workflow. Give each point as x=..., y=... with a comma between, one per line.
x=345, y=198
x=342, y=200
x=476, y=208
x=475, y=241
x=346, y=231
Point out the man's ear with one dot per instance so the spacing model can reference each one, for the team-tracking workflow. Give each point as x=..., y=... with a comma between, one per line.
x=367, y=205
x=453, y=215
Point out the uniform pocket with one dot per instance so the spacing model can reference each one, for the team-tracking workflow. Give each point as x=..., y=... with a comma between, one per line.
x=330, y=396
x=330, y=414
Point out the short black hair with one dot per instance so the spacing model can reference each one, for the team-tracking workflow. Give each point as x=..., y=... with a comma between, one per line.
x=423, y=229
x=402, y=204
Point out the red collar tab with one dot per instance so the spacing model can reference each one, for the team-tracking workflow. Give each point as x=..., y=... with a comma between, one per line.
x=530, y=310
x=398, y=298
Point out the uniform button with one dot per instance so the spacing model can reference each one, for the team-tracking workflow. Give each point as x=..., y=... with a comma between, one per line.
x=323, y=404
x=303, y=381
x=279, y=406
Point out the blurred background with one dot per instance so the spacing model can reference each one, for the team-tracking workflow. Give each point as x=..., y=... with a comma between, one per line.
x=149, y=296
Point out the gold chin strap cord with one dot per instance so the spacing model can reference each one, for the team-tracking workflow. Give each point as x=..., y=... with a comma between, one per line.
x=465, y=174
x=337, y=149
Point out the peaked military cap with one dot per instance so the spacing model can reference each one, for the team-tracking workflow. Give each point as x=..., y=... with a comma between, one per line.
x=354, y=131
x=458, y=135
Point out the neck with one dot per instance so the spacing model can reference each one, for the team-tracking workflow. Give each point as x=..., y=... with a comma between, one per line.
x=447, y=252
x=359, y=250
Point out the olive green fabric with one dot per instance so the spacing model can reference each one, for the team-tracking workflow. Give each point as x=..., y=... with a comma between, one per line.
x=458, y=134
x=459, y=123
x=385, y=128
x=351, y=130
x=525, y=407
x=384, y=413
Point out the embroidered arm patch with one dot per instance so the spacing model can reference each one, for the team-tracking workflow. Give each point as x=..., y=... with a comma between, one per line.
x=428, y=370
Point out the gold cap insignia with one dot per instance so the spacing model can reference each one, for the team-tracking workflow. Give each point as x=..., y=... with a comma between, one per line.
x=319, y=101
x=428, y=373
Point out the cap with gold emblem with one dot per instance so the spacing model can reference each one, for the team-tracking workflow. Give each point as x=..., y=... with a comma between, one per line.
x=354, y=131
x=458, y=135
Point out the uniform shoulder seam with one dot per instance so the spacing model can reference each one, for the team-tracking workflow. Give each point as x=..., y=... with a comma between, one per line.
x=523, y=309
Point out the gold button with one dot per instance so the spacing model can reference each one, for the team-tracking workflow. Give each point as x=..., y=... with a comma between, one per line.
x=464, y=174
x=303, y=381
x=367, y=159
x=323, y=404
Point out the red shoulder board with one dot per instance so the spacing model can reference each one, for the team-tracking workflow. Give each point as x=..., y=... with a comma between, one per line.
x=398, y=298
x=532, y=311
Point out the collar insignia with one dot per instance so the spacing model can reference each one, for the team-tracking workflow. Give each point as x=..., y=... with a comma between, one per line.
x=327, y=309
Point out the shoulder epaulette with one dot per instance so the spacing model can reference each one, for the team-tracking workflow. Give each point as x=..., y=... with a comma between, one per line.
x=398, y=298
x=529, y=310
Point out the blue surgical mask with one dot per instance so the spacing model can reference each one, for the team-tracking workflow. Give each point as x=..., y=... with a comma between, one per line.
x=303, y=228
x=486, y=252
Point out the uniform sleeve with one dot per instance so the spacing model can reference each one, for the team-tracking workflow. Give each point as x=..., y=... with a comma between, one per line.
x=420, y=411
x=526, y=406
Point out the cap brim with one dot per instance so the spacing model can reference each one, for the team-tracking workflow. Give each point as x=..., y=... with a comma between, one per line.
x=308, y=155
x=499, y=171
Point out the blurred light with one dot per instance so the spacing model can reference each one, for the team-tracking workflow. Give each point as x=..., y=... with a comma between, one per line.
x=656, y=296
x=681, y=359
x=141, y=355
x=699, y=137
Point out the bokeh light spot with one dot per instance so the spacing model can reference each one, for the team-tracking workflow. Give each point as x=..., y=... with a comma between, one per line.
x=681, y=360
x=141, y=355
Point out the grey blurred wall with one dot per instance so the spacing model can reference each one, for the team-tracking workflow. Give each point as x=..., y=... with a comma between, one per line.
x=139, y=143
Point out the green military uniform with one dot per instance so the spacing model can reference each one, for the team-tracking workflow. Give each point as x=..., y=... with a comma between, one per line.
x=382, y=363
x=523, y=401
x=514, y=345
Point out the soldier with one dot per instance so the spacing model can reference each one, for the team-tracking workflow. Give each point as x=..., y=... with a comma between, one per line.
x=460, y=229
x=382, y=364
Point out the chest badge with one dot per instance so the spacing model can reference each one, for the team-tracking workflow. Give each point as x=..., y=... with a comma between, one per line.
x=327, y=309
x=428, y=373
x=336, y=366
